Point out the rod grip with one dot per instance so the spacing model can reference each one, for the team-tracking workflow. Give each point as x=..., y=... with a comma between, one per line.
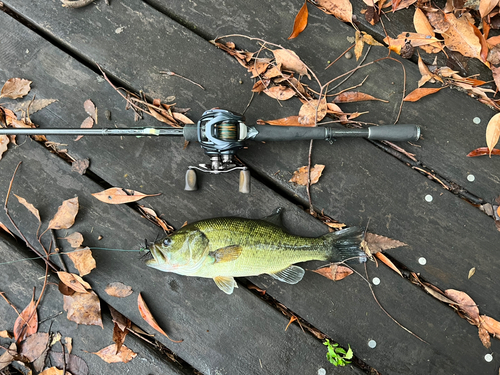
x=394, y=133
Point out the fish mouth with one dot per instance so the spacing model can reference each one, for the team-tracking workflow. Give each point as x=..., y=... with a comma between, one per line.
x=147, y=256
x=150, y=257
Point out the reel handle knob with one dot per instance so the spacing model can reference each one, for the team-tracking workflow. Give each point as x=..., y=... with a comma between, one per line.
x=244, y=186
x=191, y=184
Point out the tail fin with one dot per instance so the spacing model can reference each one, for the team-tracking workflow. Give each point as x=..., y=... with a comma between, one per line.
x=346, y=244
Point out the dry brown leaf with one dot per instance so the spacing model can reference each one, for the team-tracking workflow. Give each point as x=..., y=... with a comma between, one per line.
x=423, y=26
x=421, y=92
x=83, y=260
x=377, y=243
x=8, y=356
x=286, y=121
x=388, y=263
x=118, y=195
x=29, y=206
x=35, y=105
x=485, y=337
x=54, y=371
x=471, y=273
x=427, y=75
x=486, y=6
x=290, y=61
x=119, y=290
x=75, y=239
x=121, y=327
x=355, y=96
x=493, y=132
x=34, y=345
x=258, y=66
x=148, y=317
x=491, y=325
x=80, y=166
x=2, y=226
x=15, y=88
x=280, y=92
x=4, y=142
x=334, y=272
x=312, y=112
x=342, y=9
x=460, y=37
x=109, y=354
x=91, y=109
x=83, y=308
x=73, y=363
x=182, y=118
x=68, y=342
x=73, y=281
x=337, y=111
x=466, y=304
x=66, y=214
x=415, y=39
x=300, y=175
x=482, y=151
x=6, y=334
x=300, y=22
x=26, y=323
x=86, y=124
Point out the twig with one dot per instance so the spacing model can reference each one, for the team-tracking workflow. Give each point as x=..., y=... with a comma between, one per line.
x=56, y=250
x=10, y=303
x=169, y=73
x=63, y=357
x=48, y=262
x=354, y=71
x=338, y=58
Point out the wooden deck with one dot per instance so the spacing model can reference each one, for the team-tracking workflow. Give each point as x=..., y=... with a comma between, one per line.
x=244, y=333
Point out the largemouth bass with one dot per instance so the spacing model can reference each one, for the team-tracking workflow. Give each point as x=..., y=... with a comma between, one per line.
x=224, y=248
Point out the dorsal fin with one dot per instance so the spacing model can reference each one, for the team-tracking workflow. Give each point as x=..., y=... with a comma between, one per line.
x=276, y=218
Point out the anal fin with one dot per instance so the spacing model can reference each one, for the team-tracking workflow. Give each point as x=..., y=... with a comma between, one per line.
x=290, y=275
x=226, y=284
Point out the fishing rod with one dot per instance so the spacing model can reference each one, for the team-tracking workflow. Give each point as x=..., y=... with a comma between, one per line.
x=222, y=133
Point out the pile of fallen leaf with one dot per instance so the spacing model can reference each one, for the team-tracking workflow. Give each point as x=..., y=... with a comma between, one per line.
x=31, y=348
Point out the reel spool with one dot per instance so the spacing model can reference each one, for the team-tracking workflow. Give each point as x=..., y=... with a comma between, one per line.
x=221, y=134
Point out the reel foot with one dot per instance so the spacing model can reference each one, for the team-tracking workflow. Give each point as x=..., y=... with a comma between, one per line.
x=191, y=184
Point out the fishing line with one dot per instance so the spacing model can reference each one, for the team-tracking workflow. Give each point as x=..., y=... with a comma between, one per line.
x=69, y=252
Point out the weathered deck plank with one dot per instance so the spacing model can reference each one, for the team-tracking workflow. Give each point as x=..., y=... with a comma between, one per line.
x=349, y=207
x=18, y=284
x=190, y=308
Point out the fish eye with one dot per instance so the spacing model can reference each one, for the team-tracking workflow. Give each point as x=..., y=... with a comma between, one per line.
x=167, y=241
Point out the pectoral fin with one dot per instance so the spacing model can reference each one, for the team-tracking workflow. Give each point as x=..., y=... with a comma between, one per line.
x=226, y=254
x=290, y=275
x=226, y=284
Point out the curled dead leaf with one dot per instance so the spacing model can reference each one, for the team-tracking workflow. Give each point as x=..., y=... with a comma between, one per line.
x=286, y=121
x=75, y=239
x=66, y=214
x=280, y=92
x=334, y=272
x=300, y=22
x=482, y=151
x=4, y=142
x=26, y=323
x=109, y=354
x=148, y=317
x=83, y=260
x=377, y=243
x=341, y=9
x=119, y=290
x=15, y=88
x=421, y=92
x=91, y=109
x=118, y=195
x=290, y=61
x=466, y=304
x=300, y=175
x=83, y=308
x=312, y=112
x=355, y=96
x=73, y=281
x=86, y=124
x=29, y=206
